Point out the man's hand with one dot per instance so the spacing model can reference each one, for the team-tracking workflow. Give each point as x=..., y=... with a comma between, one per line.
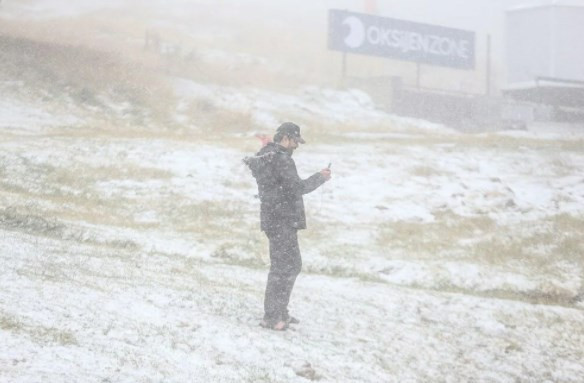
x=326, y=173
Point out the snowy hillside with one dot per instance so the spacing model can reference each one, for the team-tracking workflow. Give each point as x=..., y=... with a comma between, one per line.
x=130, y=248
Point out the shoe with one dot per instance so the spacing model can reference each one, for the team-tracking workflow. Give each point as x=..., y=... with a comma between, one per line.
x=277, y=326
x=292, y=320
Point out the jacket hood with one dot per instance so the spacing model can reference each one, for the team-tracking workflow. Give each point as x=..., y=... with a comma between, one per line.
x=263, y=158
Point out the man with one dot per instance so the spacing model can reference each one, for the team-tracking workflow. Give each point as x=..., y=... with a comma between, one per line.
x=280, y=190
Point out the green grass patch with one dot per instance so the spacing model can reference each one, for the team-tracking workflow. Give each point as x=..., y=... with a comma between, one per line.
x=427, y=240
x=39, y=334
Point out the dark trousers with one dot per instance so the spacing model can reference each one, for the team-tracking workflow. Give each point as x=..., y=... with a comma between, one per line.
x=285, y=265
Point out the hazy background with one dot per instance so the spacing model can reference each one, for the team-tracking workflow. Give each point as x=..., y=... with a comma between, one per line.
x=288, y=36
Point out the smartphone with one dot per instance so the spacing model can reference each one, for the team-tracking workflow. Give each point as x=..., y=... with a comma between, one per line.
x=329, y=165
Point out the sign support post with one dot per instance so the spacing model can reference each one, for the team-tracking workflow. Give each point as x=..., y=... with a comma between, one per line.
x=344, y=67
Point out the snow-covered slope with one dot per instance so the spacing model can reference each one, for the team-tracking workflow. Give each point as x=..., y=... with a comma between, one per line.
x=130, y=248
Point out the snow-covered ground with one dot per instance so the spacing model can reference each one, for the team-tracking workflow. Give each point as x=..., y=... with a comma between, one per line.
x=97, y=313
x=132, y=253
x=140, y=260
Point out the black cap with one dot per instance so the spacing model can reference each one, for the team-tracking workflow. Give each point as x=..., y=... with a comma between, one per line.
x=292, y=130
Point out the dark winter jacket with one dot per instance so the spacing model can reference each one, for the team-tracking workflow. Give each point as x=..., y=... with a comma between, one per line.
x=280, y=189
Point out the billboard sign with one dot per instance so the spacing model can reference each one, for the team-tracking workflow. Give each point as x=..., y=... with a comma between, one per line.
x=402, y=40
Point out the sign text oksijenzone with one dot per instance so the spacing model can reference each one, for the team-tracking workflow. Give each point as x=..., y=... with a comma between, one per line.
x=403, y=40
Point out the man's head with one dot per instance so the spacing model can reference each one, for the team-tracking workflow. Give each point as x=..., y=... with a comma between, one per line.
x=288, y=135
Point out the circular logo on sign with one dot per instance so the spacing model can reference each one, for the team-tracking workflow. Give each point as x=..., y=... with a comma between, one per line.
x=356, y=36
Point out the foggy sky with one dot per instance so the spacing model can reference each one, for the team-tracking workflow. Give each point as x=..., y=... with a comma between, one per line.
x=308, y=21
